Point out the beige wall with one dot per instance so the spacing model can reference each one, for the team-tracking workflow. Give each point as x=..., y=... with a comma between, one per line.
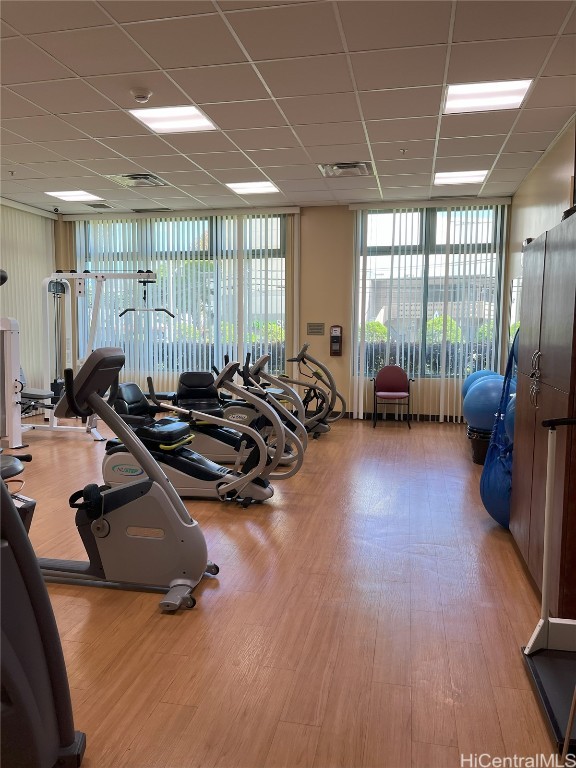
x=326, y=284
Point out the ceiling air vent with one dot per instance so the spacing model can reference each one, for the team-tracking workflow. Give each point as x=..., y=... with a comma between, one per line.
x=99, y=206
x=315, y=329
x=335, y=170
x=138, y=180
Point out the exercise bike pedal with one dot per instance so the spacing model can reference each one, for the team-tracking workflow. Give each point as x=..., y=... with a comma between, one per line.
x=179, y=596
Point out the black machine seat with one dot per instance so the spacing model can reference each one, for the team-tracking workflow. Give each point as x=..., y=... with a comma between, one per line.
x=168, y=431
x=132, y=402
x=196, y=391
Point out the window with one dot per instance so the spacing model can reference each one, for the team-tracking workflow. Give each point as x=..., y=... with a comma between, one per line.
x=223, y=278
x=428, y=290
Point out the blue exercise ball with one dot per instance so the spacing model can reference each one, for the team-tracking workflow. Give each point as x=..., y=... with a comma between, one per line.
x=509, y=418
x=469, y=380
x=482, y=401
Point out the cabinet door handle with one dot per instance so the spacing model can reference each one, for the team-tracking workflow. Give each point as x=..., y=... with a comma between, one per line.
x=532, y=361
x=536, y=360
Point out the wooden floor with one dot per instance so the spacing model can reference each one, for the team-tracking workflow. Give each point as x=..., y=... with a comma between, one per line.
x=371, y=614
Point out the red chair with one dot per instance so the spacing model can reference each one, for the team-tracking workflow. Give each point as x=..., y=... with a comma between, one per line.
x=391, y=387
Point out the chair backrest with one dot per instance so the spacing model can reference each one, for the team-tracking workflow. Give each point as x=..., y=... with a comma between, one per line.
x=131, y=401
x=391, y=378
x=196, y=391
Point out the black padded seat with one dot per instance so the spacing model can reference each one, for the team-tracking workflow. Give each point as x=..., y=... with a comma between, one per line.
x=196, y=391
x=131, y=402
x=168, y=431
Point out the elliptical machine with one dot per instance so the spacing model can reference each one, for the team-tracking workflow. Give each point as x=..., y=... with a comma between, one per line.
x=321, y=394
x=139, y=536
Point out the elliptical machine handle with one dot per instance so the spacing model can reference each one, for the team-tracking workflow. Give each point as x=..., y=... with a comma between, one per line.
x=70, y=398
x=300, y=356
x=246, y=371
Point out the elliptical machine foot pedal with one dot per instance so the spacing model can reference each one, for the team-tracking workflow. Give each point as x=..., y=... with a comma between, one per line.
x=178, y=596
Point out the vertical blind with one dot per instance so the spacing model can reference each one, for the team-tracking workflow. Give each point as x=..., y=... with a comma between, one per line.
x=27, y=248
x=427, y=299
x=222, y=277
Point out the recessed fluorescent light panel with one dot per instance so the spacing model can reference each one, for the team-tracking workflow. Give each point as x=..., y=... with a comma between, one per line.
x=253, y=188
x=483, y=97
x=173, y=119
x=459, y=177
x=74, y=196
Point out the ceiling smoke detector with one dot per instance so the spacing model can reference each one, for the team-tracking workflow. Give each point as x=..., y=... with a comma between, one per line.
x=336, y=170
x=138, y=180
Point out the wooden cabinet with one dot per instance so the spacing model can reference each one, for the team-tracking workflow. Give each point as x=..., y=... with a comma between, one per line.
x=546, y=389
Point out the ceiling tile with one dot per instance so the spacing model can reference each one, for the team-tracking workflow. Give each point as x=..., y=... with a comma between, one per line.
x=159, y=193
x=188, y=178
x=408, y=180
x=406, y=193
x=165, y=163
x=13, y=105
x=28, y=153
x=358, y=195
x=330, y=133
x=7, y=138
x=456, y=190
x=20, y=172
x=187, y=42
x=100, y=51
x=203, y=189
x=299, y=185
x=529, y=142
x=570, y=28
x=220, y=201
x=499, y=188
x=368, y=25
x=238, y=174
x=399, y=68
x=112, y=166
x=307, y=76
x=101, y=125
x=563, y=58
x=22, y=62
x=204, y=141
x=89, y=183
x=499, y=60
x=136, y=10
x=118, y=88
x=294, y=156
x=340, y=153
x=140, y=146
x=6, y=30
x=351, y=182
x=41, y=16
x=397, y=150
x=518, y=160
x=501, y=19
x=245, y=114
x=111, y=191
x=185, y=204
x=551, y=119
x=289, y=31
x=58, y=170
x=82, y=149
x=508, y=175
x=228, y=82
x=323, y=108
x=404, y=166
x=44, y=128
x=477, y=123
x=13, y=186
x=63, y=96
x=465, y=163
x=405, y=102
x=219, y=160
x=264, y=138
x=553, y=92
x=406, y=129
x=472, y=145
x=286, y=172
x=309, y=197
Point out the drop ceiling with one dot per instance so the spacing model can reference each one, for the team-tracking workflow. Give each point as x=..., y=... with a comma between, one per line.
x=289, y=85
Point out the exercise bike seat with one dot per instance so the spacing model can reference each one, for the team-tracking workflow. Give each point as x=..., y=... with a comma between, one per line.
x=196, y=391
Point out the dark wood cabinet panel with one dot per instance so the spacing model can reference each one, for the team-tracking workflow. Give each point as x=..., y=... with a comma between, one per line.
x=557, y=340
x=531, y=302
x=547, y=325
x=524, y=422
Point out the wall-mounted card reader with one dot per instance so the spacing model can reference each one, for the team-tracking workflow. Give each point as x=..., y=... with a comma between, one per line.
x=335, y=340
